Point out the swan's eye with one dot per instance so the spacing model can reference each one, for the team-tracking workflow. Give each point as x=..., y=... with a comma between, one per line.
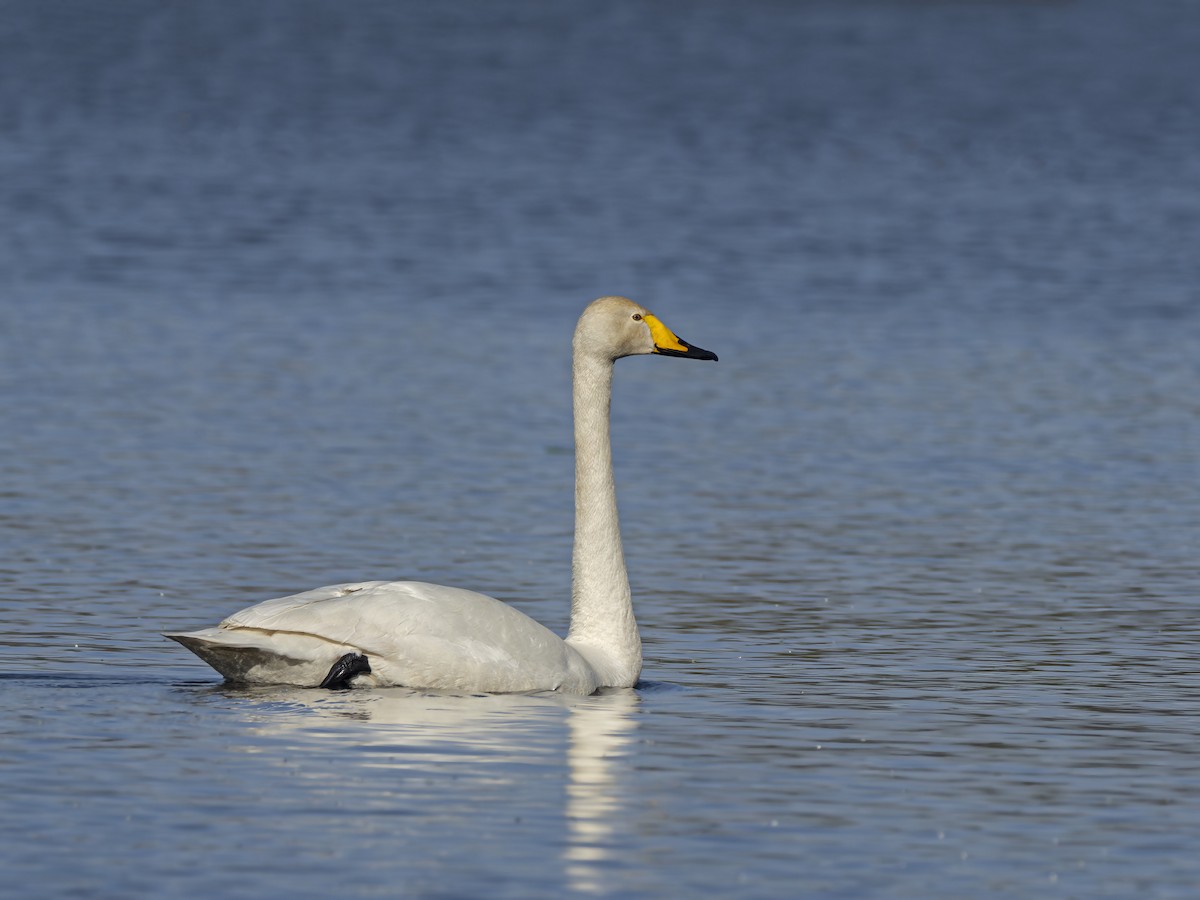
x=637, y=317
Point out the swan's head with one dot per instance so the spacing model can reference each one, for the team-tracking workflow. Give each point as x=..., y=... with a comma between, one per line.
x=613, y=327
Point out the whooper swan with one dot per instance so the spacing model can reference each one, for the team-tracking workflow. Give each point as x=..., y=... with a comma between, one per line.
x=428, y=636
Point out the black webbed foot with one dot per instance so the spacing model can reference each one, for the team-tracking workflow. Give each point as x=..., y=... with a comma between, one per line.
x=344, y=669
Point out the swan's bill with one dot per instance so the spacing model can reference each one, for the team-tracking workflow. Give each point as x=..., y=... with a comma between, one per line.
x=668, y=343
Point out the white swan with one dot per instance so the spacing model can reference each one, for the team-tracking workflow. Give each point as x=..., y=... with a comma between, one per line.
x=443, y=638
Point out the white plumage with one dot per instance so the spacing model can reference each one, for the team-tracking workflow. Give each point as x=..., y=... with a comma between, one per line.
x=431, y=636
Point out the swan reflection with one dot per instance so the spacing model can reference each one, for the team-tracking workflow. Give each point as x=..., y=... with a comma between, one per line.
x=450, y=754
x=601, y=735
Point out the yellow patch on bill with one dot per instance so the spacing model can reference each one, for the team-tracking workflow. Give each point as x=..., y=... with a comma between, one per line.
x=664, y=338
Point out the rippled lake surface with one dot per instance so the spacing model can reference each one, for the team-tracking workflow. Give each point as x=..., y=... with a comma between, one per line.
x=286, y=292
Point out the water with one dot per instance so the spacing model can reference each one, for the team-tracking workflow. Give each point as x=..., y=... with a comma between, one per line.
x=286, y=297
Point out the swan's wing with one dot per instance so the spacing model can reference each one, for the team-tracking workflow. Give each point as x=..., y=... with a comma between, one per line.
x=421, y=634
x=302, y=612
x=366, y=613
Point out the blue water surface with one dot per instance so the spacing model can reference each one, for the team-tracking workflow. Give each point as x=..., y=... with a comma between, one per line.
x=286, y=296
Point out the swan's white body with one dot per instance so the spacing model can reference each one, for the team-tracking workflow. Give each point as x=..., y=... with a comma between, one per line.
x=431, y=636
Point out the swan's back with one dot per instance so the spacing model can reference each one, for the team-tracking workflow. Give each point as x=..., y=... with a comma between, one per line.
x=414, y=634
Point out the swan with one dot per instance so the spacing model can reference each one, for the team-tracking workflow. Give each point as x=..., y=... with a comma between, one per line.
x=429, y=636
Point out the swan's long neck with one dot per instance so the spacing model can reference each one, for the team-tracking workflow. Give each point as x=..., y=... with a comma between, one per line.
x=602, y=622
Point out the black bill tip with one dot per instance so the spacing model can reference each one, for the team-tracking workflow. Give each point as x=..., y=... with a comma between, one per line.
x=689, y=353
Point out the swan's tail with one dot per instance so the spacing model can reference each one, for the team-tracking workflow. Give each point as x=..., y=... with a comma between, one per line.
x=237, y=655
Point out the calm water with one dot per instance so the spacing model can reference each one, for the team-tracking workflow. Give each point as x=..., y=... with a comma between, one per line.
x=286, y=292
